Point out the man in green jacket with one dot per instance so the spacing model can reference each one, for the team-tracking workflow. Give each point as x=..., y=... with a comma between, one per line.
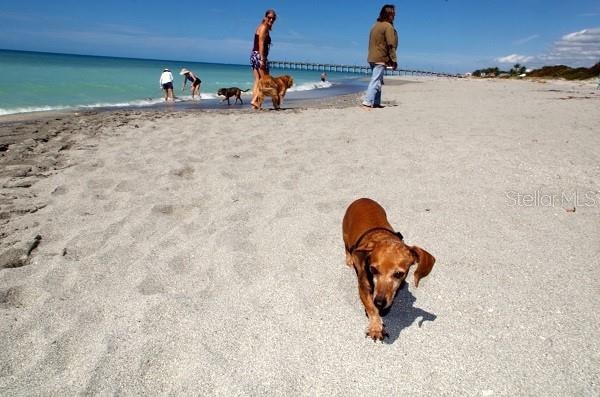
x=383, y=41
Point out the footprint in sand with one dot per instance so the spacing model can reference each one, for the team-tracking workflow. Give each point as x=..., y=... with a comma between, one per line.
x=125, y=186
x=20, y=296
x=100, y=183
x=60, y=190
x=186, y=172
x=179, y=264
x=326, y=207
x=165, y=209
x=150, y=286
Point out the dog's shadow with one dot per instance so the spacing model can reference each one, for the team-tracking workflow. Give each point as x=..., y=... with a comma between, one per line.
x=403, y=314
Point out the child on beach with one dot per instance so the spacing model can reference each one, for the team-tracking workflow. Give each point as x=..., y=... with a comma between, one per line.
x=166, y=83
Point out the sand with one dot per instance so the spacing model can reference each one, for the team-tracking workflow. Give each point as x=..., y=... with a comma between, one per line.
x=200, y=253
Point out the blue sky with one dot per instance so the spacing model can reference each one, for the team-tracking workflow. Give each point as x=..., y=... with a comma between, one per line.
x=437, y=35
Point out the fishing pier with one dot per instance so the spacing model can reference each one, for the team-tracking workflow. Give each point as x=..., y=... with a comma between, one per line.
x=325, y=67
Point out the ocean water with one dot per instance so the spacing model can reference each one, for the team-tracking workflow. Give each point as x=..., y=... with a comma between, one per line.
x=33, y=81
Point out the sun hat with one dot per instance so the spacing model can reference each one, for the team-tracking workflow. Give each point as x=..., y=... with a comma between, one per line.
x=184, y=71
x=166, y=70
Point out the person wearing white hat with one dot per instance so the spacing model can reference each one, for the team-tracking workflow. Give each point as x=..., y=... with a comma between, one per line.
x=194, y=80
x=166, y=83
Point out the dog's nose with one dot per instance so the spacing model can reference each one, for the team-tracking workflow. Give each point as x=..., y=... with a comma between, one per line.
x=380, y=303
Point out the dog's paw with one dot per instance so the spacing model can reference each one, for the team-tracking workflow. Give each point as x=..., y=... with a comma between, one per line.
x=376, y=332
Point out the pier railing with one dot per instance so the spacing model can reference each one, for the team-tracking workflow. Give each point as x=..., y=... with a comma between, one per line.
x=325, y=67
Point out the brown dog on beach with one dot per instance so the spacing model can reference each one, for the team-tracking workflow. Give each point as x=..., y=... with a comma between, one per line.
x=275, y=87
x=229, y=92
x=380, y=258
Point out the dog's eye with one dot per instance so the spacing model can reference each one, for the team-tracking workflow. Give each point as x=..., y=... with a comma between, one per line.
x=399, y=275
x=374, y=271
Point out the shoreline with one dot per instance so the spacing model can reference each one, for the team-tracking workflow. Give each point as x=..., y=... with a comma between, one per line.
x=48, y=118
x=341, y=87
x=337, y=96
x=181, y=106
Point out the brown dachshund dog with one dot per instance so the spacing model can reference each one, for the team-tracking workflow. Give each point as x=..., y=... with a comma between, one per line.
x=275, y=87
x=380, y=258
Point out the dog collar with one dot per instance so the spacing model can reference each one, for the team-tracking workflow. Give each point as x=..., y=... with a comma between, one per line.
x=355, y=245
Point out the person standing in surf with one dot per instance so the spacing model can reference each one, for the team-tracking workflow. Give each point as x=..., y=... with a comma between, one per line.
x=166, y=83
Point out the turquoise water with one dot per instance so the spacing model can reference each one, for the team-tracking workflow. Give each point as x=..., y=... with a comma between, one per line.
x=33, y=81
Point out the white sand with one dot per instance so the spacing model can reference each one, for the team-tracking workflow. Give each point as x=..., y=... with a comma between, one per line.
x=201, y=254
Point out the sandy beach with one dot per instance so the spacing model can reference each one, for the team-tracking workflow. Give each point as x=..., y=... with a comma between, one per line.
x=200, y=253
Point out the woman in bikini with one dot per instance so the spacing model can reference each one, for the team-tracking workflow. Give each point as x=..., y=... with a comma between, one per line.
x=194, y=80
x=260, y=52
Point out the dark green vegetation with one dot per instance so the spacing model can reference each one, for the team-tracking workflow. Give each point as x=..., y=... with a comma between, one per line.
x=558, y=71
x=566, y=72
x=495, y=72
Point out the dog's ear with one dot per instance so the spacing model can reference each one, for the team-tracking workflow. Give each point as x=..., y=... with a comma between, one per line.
x=425, y=261
x=365, y=248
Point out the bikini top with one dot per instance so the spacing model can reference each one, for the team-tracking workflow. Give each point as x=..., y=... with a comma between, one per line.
x=267, y=44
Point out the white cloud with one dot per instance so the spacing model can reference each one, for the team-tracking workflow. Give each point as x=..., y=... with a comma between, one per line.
x=574, y=49
x=514, y=58
x=526, y=39
x=580, y=48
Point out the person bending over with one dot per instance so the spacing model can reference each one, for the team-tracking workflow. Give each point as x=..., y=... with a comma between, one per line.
x=194, y=80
